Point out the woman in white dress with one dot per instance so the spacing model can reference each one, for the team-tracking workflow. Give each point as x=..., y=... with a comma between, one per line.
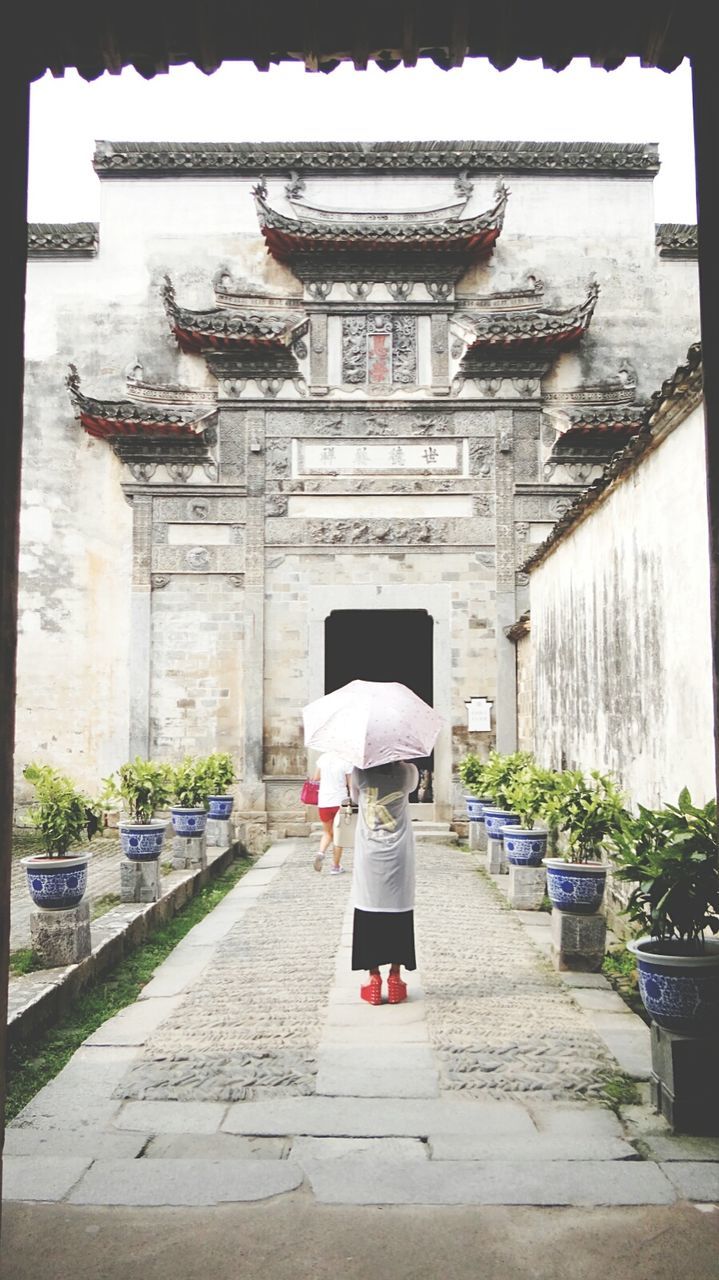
x=383, y=879
x=332, y=773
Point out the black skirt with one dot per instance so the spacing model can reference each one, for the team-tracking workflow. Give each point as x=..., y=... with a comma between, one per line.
x=383, y=937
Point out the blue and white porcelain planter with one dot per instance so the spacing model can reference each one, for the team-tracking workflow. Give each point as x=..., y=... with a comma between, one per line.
x=680, y=992
x=575, y=886
x=57, y=884
x=142, y=841
x=476, y=806
x=495, y=819
x=525, y=846
x=220, y=807
x=189, y=822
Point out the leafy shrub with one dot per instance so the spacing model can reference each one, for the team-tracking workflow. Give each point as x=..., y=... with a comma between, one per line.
x=220, y=772
x=193, y=782
x=670, y=856
x=143, y=786
x=63, y=815
x=589, y=810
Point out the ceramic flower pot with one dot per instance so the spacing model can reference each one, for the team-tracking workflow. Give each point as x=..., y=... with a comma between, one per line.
x=495, y=819
x=475, y=807
x=525, y=847
x=220, y=807
x=56, y=884
x=575, y=886
x=142, y=841
x=679, y=991
x=189, y=822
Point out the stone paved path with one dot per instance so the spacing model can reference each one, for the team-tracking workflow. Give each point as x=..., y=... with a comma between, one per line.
x=249, y=1068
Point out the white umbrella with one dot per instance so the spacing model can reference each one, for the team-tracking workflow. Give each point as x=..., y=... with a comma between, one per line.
x=371, y=722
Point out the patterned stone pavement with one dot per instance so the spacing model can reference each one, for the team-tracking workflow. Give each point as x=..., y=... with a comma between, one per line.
x=500, y=1020
x=249, y=1068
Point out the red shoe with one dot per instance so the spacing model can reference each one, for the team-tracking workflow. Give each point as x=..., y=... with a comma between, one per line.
x=372, y=990
x=396, y=989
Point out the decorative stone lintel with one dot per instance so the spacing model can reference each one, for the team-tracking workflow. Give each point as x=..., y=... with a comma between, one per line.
x=526, y=887
x=139, y=881
x=61, y=937
x=579, y=941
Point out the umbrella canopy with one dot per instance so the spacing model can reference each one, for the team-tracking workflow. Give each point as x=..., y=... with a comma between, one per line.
x=370, y=722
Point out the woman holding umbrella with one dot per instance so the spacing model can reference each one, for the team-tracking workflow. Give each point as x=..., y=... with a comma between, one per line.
x=383, y=882
x=379, y=725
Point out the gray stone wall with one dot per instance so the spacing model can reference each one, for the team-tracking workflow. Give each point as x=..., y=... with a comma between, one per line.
x=525, y=694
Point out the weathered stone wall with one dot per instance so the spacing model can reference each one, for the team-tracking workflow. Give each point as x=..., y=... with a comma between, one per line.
x=620, y=631
x=197, y=678
x=525, y=693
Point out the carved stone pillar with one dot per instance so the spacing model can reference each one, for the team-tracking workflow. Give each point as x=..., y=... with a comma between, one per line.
x=506, y=591
x=140, y=625
x=440, y=353
x=254, y=655
x=318, y=354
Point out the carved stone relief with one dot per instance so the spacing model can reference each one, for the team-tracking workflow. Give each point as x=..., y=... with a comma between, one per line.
x=278, y=458
x=480, y=455
x=159, y=580
x=379, y=349
x=198, y=558
x=359, y=531
x=276, y=505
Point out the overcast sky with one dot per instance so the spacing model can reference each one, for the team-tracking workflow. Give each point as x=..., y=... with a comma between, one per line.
x=238, y=103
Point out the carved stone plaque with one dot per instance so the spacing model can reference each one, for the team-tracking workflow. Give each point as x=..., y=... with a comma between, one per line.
x=370, y=456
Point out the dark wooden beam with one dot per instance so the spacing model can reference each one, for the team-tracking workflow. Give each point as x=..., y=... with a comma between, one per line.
x=704, y=83
x=14, y=113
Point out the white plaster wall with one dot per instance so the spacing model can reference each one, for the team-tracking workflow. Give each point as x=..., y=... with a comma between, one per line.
x=621, y=631
x=73, y=633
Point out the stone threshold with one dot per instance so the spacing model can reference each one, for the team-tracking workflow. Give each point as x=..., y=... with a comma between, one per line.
x=36, y=1000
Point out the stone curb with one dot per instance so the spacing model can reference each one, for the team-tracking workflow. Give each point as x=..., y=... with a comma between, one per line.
x=37, y=999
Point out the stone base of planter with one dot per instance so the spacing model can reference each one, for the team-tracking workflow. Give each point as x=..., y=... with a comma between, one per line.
x=220, y=832
x=526, y=887
x=61, y=937
x=189, y=852
x=478, y=836
x=578, y=941
x=685, y=1070
x=497, y=864
x=139, y=881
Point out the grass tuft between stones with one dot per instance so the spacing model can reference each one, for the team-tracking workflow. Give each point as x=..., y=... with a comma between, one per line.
x=619, y=1090
x=33, y=1063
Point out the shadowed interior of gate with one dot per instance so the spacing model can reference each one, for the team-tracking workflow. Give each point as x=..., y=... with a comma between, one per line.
x=382, y=644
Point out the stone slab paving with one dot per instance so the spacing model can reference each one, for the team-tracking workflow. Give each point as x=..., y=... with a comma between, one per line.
x=249, y=1068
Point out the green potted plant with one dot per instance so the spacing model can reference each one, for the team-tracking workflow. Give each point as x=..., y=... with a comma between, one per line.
x=527, y=795
x=221, y=775
x=587, y=811
x=143, y=787
x=192, y=782
x=63, y=816
x=669, y=857
x=499, y=773
x=471, y=772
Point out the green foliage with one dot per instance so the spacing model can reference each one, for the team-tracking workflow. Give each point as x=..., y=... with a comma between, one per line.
x=500, y=772
x=143, y=786
x=193, y=782
x=63, y=815
x=529, y=791
x=24, y=960
x=589, y=810
x=619, y=1090
x=220, y=772
x=471, y=771
x=669, y=855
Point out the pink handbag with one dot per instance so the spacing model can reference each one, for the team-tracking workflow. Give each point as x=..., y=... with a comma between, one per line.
x=310, y=792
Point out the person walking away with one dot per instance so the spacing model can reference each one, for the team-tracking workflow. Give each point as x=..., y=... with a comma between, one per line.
x=383, y=878
x=332, y=773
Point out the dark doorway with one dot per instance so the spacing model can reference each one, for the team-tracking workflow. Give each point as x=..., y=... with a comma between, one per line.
x=383, y=644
